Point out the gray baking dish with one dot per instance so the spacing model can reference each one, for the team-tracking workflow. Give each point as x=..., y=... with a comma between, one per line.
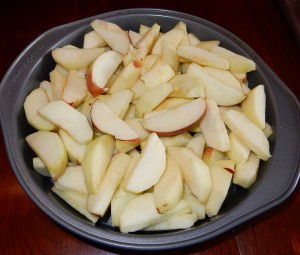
x=277, y=177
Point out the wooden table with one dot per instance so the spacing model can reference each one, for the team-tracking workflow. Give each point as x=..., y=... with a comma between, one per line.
x=24, y=229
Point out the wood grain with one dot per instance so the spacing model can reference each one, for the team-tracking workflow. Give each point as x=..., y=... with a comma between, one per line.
x=25, y=229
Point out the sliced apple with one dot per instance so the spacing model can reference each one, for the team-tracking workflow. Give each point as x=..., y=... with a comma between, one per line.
x=221, y=175
x=169, y=54
x=197, y=144
x=187, y=86
x=152, y=98
x=46, y=85
x=202, y=57
x=177, y=140
x=134, y=37
x=248, y=133
x=150, y=167
x=210, y=155
x=93, y=40
x=98, y=203
x=75, y=89
x=237, y=63
x=135, y=124
x=69, y=119
x=169, y=189
x=75, y=58
x=254, y=106
x=73, y=179
x=176, y=120
x=196, y=173
x=172, y=102
x=58, y=82
x=196, y=206
x=246, y=173
x=139, y=88
x=148, y=63
x=239, y=152
x=213, y=127
x=101, y=70
x=106, y=121
x=74, y=150
x=113, y=35
x=51, y=150
x=33, y=102
x=214, y=89
x=193, y=39
x=39, y=166
x=208, y=45
x=125, y=146
x=96, y=160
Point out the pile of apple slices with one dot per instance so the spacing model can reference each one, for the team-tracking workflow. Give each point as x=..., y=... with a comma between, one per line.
x=152, y=126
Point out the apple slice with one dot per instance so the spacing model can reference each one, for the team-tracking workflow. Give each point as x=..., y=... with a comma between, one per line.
x=176, y=120
x=46, y=85
x=39, y=166
x=58, y=82
x=254, y=106
x=104, y=119
x=125, y=146
x=213, y=127
x=33, y=102
x=187, y=86
x=73, y=179
x=148, y=63
x=152, y=98
x=113, y=35
x=246, y=173
x=221, y=175
x=69, y=119
x=223, y=95
x=119, y=102
x=248, y=133
x=237, y=63
x=75, y=89
x=196, y=206
x=101, y=70
x=169, y=54
x=210, y=155
x=169, y=189
x=202, y=57
x=171, y=102
x=134, y=37
x=150, y=167
x=208, y=45
x=96, y=160
x=75, y=199
x=51, y=150
x=75, y=58
x=177, y=140
x=126, y=78
x=197, y=144
x=195, y=172
x=193, y=39
x=135, y=124
x=239, y=152
x=93, y=40
x=74, y=150
x=98, y=203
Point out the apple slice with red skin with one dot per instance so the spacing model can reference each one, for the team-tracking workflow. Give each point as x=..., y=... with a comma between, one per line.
x=106, y=121
x=101, y=70
x=176, y=120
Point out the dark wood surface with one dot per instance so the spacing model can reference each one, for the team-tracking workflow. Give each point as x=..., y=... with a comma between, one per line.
x=24, y=229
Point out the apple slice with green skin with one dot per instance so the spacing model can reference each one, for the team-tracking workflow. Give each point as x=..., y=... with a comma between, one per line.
x=75, y=199
x=213, y=127
x=75, y=89
x=245, y=173
x=58, y=82
x=195, y=172
x=51, y=150
x=161, y=72
x=214, y=89
x=75, y=58
x=74, y=150
x=169, y=189
x=33, y=102
x=104, y=120
x=126, y=78
x=173, y=37
x=96, y=160
x=176, y=120
x=98, y=203
x=254, y=106
x=239, y=152
x=211, y=155
x=101, y=71
x=248, y=133
x=113, y=35
x=202, y=57
x=39, y=166
x=93, y=40
x=152, y=98
x=237, y=63
x=69, y=119
x=182, y=221
x=150, y=167
x=221, y=175
x=187, y=86
x=73, y=179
